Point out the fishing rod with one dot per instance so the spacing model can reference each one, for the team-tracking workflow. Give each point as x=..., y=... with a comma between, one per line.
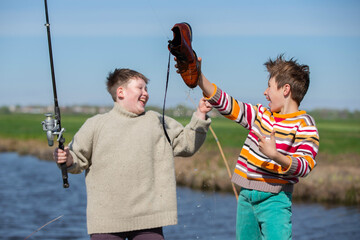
x=52, y=123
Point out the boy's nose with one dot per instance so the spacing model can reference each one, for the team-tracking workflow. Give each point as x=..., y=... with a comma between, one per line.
x=265, y=92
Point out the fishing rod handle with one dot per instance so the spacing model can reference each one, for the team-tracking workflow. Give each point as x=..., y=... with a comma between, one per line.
x=64, y=175
x=63, y=166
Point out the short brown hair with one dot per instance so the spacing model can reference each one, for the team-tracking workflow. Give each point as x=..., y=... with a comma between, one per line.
x=119, y=77
x=292, y=73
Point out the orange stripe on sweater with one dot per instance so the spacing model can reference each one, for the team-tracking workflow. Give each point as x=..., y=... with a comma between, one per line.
x=262, y=164
x=235, y=110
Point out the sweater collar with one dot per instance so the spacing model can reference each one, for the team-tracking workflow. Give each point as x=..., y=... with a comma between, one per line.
x=290, y=115
x=122, y=111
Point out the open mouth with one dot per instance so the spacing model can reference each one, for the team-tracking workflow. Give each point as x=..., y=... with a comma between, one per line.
x=269, y=100
x=143, y=101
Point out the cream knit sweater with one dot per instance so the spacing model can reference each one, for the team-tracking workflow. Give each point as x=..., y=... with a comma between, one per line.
x=129, y=164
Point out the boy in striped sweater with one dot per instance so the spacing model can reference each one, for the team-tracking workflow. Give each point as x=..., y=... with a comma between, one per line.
x=281, y=147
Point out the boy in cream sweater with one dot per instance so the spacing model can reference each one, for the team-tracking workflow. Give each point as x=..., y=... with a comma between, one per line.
x=129, y=163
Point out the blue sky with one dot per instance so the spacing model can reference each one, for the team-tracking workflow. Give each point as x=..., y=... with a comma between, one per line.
x=92, y=37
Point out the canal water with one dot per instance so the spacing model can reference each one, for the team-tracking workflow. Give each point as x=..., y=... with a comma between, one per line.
x=31, y=195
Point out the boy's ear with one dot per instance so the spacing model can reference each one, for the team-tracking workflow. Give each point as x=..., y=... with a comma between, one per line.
x=120, y=92
x=287, y=89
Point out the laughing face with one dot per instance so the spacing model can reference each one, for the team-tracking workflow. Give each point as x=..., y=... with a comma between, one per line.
x=134, y=95
x=275, y=96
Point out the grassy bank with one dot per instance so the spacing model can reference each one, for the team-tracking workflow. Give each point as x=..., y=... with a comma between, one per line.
x=336, y=179
x=336, y=136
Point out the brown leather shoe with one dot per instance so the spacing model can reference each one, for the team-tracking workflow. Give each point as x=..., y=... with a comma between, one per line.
x=180, y=47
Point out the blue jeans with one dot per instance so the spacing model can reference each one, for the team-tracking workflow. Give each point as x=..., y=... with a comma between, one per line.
x=263, y=215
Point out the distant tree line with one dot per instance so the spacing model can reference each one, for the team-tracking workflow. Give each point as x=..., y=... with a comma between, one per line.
x=177, y=111
x=4, y=110
x=334, y=114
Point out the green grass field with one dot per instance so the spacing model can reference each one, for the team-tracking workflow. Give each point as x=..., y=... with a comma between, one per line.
x=336, y=136
x=28, y=126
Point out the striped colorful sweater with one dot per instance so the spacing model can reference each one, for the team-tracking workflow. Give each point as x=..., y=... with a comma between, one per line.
x=296, y=137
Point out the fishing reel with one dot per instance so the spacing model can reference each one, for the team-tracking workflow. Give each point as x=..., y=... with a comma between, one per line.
x=52, y=127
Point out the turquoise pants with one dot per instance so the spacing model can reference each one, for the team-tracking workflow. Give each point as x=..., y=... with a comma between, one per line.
x=263, y=215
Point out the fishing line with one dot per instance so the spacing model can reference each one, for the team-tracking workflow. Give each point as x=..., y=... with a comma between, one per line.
x=167, y=73
x=163, y=113
x=221, y=152
x=160, y=23
x=55, y=219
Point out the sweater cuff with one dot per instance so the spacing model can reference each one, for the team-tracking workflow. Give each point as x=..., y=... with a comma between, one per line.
x=214, y=99
x=213, y=94
x=200, y=125
x=294, y=164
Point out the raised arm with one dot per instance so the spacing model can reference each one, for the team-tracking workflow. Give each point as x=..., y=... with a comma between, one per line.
x=205, y=85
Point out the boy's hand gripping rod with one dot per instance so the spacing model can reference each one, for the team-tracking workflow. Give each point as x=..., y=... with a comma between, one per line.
x=52, y=123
